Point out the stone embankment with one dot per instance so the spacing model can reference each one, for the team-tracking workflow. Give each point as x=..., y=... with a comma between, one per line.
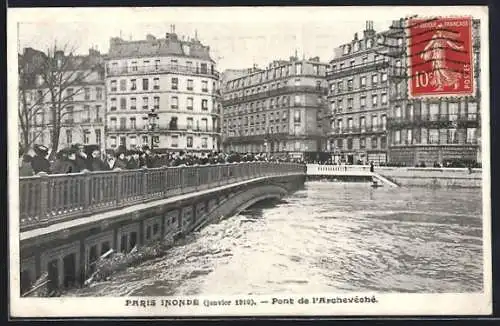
x=433, y=177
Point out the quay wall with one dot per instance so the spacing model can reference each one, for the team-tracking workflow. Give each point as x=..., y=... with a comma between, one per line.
x=433, y=177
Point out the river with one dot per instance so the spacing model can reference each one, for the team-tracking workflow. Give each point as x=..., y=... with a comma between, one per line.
x=326, y=237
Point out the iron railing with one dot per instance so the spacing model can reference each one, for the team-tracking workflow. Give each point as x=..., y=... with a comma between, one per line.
x=47, y=199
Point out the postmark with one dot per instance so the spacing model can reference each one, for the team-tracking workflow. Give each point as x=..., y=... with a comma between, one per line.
x=440, y=57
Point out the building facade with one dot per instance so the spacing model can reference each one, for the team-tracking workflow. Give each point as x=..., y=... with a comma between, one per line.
x=162, y=92
x=358, y=96
x=276, y=110
x=434, y=130
x=63, y=94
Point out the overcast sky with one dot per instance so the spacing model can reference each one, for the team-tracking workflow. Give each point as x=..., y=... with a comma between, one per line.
x=238, y=37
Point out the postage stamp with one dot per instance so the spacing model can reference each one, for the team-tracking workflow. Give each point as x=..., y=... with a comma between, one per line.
x=440, y=57
x=218, y=162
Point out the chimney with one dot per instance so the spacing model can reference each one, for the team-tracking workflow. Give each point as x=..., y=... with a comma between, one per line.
x=369, y=31
x=355, y=36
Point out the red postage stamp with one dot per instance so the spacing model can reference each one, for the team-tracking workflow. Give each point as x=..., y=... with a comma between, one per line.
x=440, y=57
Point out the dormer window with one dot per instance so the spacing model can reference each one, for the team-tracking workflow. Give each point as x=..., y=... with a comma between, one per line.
x=369, y=43
x=186, y=49
x=347, y=49
x=380, y=40
x=356, y=46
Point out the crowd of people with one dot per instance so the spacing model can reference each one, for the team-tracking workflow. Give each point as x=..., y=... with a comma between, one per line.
x=78, y=158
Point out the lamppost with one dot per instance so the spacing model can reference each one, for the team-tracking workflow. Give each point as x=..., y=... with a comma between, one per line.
x=152, y=116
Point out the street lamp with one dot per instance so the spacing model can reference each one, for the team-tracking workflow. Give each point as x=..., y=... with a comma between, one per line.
x=152, y=116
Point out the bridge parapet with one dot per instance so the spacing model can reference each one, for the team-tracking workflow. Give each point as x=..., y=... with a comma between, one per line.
x=45, y=199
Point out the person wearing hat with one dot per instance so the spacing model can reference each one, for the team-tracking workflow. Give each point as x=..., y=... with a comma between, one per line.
x=94, y=161
x=121, y=160
x=133, y=161
x=39, y=162
x=67, y=163
x=80, y=156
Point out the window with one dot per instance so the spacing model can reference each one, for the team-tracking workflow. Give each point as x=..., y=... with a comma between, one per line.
x=340, y=105
x=374, y=100
x=362, y=124
x=434, y=111
x=156, y=83
x=362, y=81
x=69, y=94
x=397, y=137
x=298, y=68
x=189, y=123
x=352, y=63
x=189, y=141
x=175, y=83
x=316, y=69
x=204, y=105
x=400, y=41
x=362, y=143
x=175, y=102
x=204, y=142
x=134, y=65
x=384, y=98
x=296, y=116
x=332, y=88
x=297, y=82
x=365, y=60
x=86, y=112
x=86, y=93
x=349, y=143
x=189, y=103
x=433, y=136
x=384, y=122
x=339, y=86
x=98, y=93
x=362, y=101
x=189, y=85
x=98, y=136
x=369, y=43
x=145, y=103
x=113, y=86
x=98, y=113
x=133, y=85
x=452, y=136
x=133, y=124
x=339, y=123
x=350, y=103
x=374, y=79
x=113, y=123
x=123, y=85
x=123, y=103
x=409, y=136
x=204, y=86
x=145, y=140
x=297, y=100
x=123, y=123
x=452, y=111
x=156, y=102
x=145, y=84
x=349, y=124
x=69, y=136
x=471, y=135
x=374, y=142
x=133, y=103
x=347, y=49
x=384, y=76
x=471, y=111
x=340, y=143
x=175, y=141
x=157, y=64
x=397, y=112
x=349, y=84
x=410, y=111
x=204, y=124
x=113, y=141
x=333, y=105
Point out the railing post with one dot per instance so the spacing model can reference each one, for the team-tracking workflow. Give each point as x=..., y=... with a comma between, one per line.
x=144, y=192
x=165, y=181
x=86, y=191
x=44, y=195
x=118, y=188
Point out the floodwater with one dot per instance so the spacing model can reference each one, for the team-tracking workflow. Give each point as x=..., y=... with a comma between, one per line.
x=326, y=237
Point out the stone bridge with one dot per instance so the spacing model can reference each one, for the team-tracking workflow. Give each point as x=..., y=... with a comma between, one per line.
x=67, y=222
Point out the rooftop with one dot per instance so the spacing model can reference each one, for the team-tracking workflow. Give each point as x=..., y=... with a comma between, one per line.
x=151, y=46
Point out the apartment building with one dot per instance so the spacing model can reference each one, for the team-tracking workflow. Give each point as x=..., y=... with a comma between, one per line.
x=164, y=92
x=77, y=109
x=358, y=95
x=434, y=130
x=276, y=110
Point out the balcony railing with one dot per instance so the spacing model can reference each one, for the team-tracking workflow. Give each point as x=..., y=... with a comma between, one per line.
x=168, y=68
x=163, y=128
x=357, y=69
x=276, y=92
x=459, y=118
x=359, y=130
x=48, y=199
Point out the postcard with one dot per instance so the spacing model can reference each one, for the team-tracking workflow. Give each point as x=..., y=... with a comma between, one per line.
x=249, y=161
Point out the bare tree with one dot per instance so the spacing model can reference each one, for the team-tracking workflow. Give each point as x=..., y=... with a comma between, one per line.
x=61, y=75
